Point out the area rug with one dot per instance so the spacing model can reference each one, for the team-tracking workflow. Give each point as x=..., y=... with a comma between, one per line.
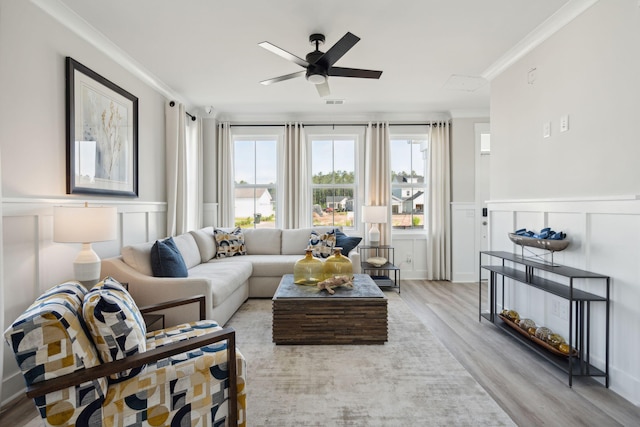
x=412, y=380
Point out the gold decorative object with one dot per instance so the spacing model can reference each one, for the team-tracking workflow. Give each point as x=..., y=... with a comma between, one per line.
x=308, y=270
x=337, y=265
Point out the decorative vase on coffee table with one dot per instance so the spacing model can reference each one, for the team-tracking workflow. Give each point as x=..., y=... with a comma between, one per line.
x=337, y=265
x=308, y=270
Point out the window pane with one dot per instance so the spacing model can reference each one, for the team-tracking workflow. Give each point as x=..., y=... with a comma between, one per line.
x=333, y=206
x=266, y=162
x=408, y=183
x=255, y=167
x=322, y=164
x=244, y=162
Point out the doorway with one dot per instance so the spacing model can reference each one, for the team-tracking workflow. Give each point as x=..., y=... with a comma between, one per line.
x=482, y=163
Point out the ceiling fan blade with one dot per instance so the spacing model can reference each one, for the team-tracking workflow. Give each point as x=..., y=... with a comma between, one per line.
x=341, y=47
x=284, y=54
x=354, y=72
x=282, y=78
x=323, y=89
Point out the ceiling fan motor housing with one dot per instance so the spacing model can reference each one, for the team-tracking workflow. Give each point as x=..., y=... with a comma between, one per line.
x=316, y=71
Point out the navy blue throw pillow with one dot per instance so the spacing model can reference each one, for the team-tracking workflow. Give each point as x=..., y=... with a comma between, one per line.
x=166, y=259
x=347, y=243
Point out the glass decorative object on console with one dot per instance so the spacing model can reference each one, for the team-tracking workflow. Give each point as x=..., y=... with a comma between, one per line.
x=308, y=270
x=337, y=265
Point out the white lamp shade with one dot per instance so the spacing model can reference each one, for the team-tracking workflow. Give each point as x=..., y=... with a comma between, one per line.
x=84, y=224
x=374, y=214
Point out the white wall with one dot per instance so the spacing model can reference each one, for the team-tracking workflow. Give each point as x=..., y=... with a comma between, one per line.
x=33, y=48
x=583, y=181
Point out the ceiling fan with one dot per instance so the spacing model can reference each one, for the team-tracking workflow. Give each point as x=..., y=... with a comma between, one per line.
x=319, y=65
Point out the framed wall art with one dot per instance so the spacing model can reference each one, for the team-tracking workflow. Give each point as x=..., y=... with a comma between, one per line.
x=102, y=134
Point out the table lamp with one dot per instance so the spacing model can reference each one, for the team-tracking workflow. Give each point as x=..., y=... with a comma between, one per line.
x=85, y=224
x=374, y=215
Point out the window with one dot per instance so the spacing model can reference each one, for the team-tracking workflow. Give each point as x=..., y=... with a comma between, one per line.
x=333, y=180
x=408, y=171
x=255, y=170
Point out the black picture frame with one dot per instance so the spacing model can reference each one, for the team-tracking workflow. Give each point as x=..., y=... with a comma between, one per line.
x=102, y=134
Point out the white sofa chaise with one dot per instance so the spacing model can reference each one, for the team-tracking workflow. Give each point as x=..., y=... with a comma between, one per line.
x=225, y=282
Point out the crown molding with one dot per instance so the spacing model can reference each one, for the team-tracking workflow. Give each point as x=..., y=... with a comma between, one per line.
x=74, y=22
x=553, y=24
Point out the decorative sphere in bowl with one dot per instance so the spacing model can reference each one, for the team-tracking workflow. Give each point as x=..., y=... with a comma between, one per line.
x=526, y=324
x=543, y=333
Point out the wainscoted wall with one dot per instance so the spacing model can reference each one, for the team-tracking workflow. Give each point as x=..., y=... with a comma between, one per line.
x=34, y=263
x=464, y=254
x=410, y=255
x=605, y=238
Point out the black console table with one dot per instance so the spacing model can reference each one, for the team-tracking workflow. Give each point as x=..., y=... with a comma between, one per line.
x=527, y=272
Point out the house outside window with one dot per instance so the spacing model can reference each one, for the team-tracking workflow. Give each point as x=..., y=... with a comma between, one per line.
x=408, y=185
x=255, y=174
x=333, y=180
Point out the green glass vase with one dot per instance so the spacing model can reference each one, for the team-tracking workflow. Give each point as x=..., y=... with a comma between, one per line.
x=308, y=270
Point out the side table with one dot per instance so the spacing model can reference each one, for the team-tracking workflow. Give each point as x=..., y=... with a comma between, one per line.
x=382, y=275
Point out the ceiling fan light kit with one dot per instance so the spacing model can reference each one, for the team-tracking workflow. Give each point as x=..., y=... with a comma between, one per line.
x=319, y=65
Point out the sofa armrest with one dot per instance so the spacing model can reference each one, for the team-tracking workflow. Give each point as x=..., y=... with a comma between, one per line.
x=149, y=290
x=151, y=356
x=200, y=299
x=354, y=256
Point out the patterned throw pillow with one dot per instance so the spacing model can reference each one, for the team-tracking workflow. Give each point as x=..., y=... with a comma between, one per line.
x=115, y=323
x=229, y=243
x=322, y=244
x=166, y=259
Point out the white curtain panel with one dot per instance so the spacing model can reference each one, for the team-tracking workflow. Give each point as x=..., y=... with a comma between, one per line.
x=294, y=162
x=224, y=182
x=195, y=173
x=378, y=174
x=2, y=295
x=438, y=203
x=176, y=161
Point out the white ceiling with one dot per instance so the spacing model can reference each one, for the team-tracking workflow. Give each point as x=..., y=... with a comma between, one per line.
x=206, y=52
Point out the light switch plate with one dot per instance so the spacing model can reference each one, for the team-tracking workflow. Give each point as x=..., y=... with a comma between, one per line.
x=564, y=123
x=546, y=129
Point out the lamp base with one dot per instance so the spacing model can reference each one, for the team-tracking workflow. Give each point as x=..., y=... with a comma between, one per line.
x=86, y=267
x=374, y=236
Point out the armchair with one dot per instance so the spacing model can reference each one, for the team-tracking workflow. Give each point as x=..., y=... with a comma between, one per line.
x=189, y=373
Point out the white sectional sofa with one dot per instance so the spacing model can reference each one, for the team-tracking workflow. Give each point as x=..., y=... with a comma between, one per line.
x=225, y=282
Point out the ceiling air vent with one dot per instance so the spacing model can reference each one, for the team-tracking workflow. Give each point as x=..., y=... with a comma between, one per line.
x=335, y=101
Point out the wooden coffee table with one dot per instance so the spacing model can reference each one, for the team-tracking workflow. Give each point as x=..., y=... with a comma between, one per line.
x=306, y=315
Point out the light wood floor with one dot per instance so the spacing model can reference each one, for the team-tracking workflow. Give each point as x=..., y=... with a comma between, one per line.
x=528, y=388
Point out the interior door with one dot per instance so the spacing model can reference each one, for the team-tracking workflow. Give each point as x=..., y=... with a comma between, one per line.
x=482, y=163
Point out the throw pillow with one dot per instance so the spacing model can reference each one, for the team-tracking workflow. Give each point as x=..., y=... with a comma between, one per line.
x=229, y=243
x=347, y=243
x=322, y=244
x=115, y=324
x=166, y=259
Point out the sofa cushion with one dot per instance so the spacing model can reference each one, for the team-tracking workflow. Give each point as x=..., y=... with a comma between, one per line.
x=322, y=244
x=269, y=265
x=206, y=243
x=166, y=260
x=229, y=243
x=226, y=276
x=188, y=248
x=347, y=243
x=138, y=257
x=262, y=241
x=115, y=323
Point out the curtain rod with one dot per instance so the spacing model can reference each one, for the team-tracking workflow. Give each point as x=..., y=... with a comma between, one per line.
x=173, y=103
x=334, y=124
